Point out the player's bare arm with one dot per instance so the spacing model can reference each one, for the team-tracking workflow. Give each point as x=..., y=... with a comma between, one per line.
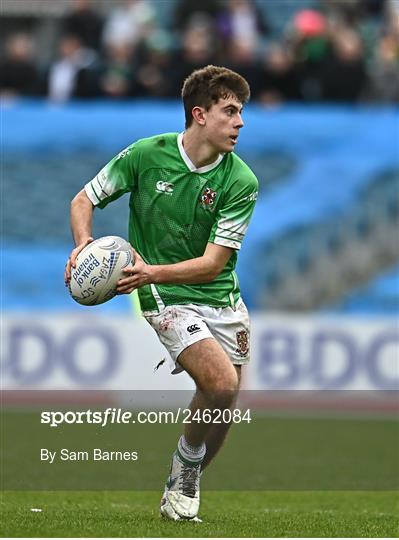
x=81, y=225
x=199, y=270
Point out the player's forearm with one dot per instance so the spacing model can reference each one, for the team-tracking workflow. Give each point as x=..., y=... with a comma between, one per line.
x=81, y=217
x=198, y=270
x=193, y=271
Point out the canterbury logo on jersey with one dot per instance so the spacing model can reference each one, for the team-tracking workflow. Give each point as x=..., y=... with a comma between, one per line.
x=164, y=187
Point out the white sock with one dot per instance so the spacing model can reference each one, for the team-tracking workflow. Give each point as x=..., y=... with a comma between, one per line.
x=193, y=454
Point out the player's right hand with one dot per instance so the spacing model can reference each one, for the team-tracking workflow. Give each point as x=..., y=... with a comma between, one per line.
x=71, y=262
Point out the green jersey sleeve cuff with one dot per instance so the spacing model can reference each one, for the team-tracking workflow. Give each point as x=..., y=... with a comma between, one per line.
x=92, y=195
x=226, y=242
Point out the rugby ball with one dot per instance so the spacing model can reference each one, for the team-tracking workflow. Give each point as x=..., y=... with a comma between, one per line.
x=98, y=269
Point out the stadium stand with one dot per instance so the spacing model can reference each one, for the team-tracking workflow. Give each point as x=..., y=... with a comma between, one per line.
x=325, y=223
x=322, y=42
x=380, y=296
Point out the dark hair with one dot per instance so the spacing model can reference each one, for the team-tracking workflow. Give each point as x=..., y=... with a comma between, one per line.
x=207, y=85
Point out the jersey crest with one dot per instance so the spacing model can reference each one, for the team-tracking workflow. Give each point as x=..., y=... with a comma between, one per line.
x=208, y=198
x=242, y=343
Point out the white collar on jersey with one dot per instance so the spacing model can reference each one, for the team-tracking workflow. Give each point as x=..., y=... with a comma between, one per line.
x=188, y=161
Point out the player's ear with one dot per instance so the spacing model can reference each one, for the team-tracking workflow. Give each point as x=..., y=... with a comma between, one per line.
x=199, y=115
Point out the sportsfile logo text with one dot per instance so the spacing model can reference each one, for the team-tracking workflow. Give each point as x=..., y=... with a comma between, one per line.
x=118, y=416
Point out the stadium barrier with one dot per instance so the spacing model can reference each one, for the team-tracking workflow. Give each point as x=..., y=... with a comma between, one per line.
x=67, y=352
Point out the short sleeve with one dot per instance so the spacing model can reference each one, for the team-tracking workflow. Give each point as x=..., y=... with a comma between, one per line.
x=234, y=215
x=119, y=176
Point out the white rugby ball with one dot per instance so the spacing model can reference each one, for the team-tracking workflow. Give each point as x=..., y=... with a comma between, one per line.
x=98, y=269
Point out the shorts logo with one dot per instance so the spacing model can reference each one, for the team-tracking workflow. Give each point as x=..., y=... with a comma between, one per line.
x=208, y=198
x=242, y=343
x=193, y=329
x=164, y=187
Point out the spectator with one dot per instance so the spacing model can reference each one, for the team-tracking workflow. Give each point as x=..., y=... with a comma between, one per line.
x=242, y=20
x=129, y=23
x=154, y=76
x=84, y=22
x=345, y=76
x=242, y=58
x=74, y=73
x=351, y=12
x=197, y=50
x=278, y=76
x=310, y=47
x=117, y=77
x=187, y=10
x=18, y=73
x=384, y=83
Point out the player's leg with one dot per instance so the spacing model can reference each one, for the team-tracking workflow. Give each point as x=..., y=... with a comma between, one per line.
x=217, y=433
x=216, y=380
x=208, y=357
x=217, y=386
x=231, y=328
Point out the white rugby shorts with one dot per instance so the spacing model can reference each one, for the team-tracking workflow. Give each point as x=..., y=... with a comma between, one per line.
x=180, y=326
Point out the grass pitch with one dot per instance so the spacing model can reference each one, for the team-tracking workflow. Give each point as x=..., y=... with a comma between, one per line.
x=225, y=514
x=273, y=454
x=325, y=478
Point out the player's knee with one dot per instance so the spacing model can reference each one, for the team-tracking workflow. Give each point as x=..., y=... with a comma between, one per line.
x=223, y=388
x=228, y=383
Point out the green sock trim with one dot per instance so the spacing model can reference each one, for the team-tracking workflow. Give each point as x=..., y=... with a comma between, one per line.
x=186, y=461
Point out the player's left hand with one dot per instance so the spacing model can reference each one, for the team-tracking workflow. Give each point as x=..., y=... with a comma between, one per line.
x=136, y=276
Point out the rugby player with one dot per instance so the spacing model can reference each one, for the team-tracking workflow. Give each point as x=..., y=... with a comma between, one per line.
x=191, y=199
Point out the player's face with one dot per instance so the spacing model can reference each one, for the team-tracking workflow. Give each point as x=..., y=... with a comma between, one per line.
x=223, y=123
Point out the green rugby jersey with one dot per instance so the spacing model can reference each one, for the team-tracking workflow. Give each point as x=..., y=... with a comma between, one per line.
x=176, y=209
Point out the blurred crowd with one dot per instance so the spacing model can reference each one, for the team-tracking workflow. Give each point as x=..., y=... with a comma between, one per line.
x=335, y=51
